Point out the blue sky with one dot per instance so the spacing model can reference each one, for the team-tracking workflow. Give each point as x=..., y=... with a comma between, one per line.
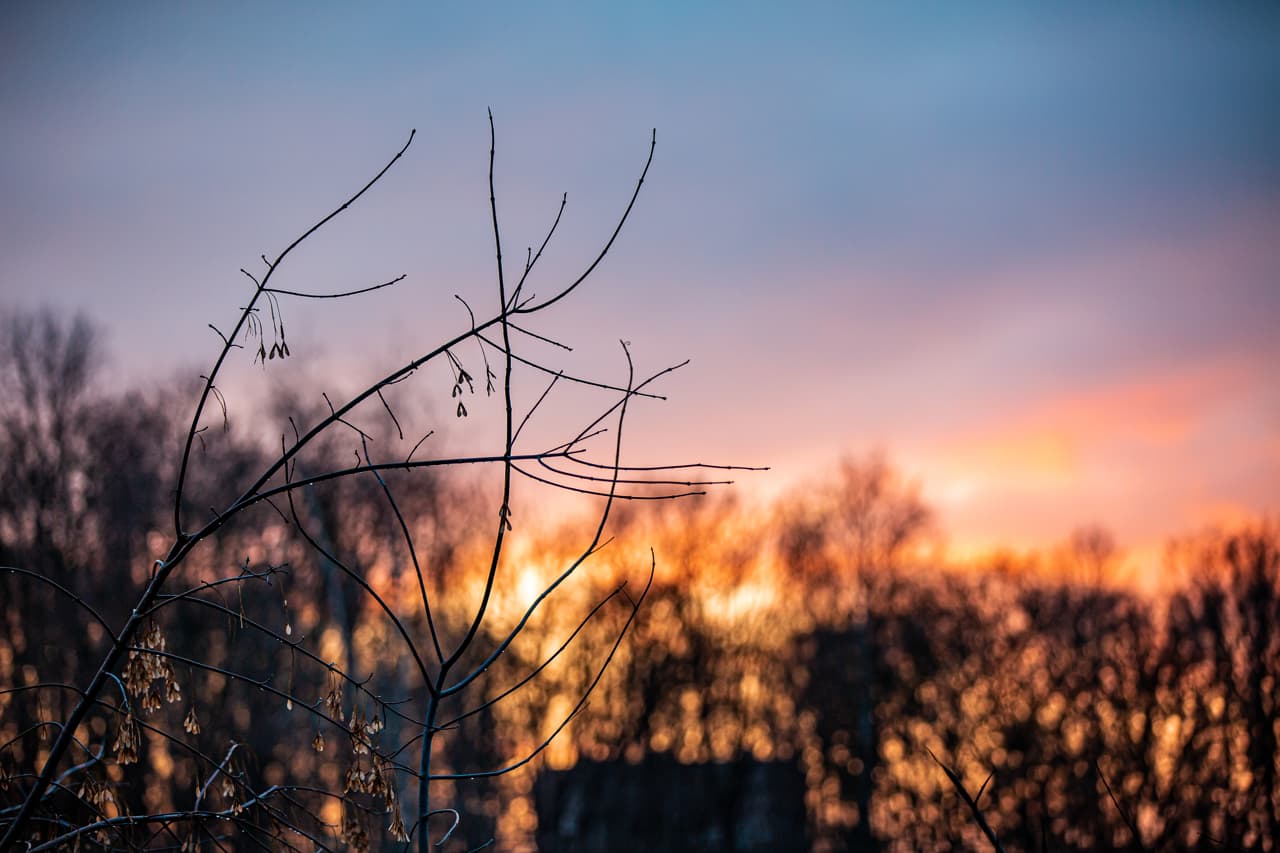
x=1031, y=253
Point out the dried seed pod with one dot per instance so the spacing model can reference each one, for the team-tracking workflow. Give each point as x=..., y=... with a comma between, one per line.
x=135, y=674
x=127, y=741
x=333, y=704
x=353, y=832
x=396, y=827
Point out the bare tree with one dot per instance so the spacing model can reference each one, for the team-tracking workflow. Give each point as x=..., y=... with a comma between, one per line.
x=1091, y=555
x=842, y=540
x=65, y=792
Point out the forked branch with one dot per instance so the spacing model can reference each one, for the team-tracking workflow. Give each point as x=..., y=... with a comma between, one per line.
x=449, y=668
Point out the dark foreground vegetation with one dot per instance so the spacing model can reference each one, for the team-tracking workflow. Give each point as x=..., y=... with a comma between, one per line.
x=794, y=680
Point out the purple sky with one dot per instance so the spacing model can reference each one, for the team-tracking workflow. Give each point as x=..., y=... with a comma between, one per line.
x=1034, y=255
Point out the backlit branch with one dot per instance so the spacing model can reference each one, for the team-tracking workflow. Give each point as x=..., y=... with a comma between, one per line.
x=224, y=810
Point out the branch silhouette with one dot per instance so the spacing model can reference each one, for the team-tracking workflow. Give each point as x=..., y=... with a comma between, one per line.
x=231, y=804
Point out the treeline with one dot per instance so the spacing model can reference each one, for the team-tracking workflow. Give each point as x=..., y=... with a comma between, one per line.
x=805, y=634
x=1089, y=717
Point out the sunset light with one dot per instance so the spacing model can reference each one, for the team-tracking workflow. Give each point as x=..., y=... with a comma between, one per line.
x=628, y=427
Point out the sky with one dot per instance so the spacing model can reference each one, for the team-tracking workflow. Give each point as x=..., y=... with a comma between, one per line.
x=1031, y=254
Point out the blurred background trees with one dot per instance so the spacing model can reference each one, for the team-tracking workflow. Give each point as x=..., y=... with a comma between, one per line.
x=809, y=650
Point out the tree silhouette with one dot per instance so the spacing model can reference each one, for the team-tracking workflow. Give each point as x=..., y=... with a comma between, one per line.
x=212, y=623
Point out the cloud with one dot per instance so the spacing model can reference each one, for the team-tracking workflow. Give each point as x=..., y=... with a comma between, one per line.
x=1148, y=457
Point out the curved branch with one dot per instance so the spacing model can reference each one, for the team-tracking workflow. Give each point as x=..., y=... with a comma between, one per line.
x=244, y=315
x=611, y=494
x=504, y=509
x=413, y=553
x=528, y=267
x=296, y=646
x=590, y=549
x=653, y=143
x=568, y=377
x=265, y=685
x=540, y=667
x=369, y=590
x=62, y=589
x=341, y=295
x=581, y=701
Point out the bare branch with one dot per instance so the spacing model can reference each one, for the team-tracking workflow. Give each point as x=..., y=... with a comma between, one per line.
x=80, y=602
x=344, y=294
x=969, y=801
x=539, y=306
